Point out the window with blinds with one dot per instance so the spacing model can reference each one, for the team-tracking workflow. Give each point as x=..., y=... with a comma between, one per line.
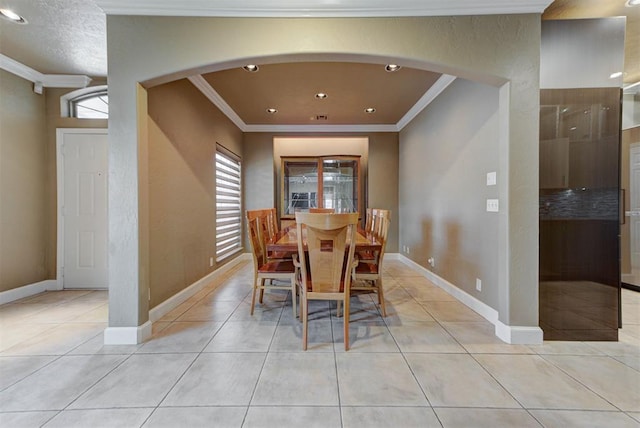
x=228, y=209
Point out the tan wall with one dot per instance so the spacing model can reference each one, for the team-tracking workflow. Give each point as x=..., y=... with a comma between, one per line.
x=379, y=163
x=183, y=130
x=445, y=154
x=23, y=184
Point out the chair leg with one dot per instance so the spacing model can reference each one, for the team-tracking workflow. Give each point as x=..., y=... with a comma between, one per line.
x=381, y=296
x=294, y=297
x=346, y=322
x=261, y=290
x=253, y=295
x=338, y=308
x=304, y=309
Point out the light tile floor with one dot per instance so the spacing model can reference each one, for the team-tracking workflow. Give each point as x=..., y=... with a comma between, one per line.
x=432, y=362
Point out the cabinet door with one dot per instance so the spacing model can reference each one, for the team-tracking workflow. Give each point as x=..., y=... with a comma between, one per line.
x=300, y=185
x=340, y=185
x=554, y=163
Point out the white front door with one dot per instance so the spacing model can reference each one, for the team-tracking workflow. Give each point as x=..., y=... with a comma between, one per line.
x=634, y=218
x=82, y=208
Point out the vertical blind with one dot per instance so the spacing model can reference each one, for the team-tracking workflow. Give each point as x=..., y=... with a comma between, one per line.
x=228, y=209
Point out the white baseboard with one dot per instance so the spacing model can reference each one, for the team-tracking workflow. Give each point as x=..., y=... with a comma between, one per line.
x=127, y=335
x=521, y=335
x=391, y=256
x=174, y=301
x=28, y=290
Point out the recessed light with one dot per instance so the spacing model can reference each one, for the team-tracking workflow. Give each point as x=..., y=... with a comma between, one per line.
x=392, y=67
x=321, y=95
x=370, y=110
x=631, y=3
x=272, y=111
x=615, y=75
x=12, y=16
x=251, y=68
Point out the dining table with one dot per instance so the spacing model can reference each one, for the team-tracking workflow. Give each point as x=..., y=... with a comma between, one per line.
x=286, y=240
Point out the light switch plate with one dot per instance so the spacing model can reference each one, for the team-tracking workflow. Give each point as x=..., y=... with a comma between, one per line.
x=493, y=205
x=491, y=178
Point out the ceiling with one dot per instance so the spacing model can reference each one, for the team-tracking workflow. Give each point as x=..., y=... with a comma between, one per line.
x=69, y=37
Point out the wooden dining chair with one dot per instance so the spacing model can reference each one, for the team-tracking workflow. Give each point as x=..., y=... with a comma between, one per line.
x=325, y=265
x=322, y=210
x=368, y=221
x=264, y=269
x=368, y=273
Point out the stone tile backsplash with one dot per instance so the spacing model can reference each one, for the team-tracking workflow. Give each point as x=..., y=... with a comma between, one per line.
x=583, y=204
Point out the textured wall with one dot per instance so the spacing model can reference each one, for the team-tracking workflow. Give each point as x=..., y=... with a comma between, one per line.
x=445, y=153
x=23, y=185
x=183, y=130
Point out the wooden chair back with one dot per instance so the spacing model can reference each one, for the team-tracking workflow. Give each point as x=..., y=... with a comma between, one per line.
x=368, y=221
x=254, y=227
x=322, y=210
x=325, y=267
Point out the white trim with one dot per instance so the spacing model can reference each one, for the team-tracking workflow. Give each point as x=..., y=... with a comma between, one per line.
x=304, y=8
x=64, y=99
x=441, y=84
x=510, y=334
x=46, y=80
x=207, y=90
x=127, y=335
x=174, y=301
x=212, y=95
x=518, y=335
x=60, y=133
x=18, y=293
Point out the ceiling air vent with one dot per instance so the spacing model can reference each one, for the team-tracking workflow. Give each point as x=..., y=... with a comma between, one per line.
x=322, y=117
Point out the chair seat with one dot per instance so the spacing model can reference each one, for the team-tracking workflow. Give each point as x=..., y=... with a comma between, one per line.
x=280, y=255
x=366, y=256
x=277, y=266
x=367, y=268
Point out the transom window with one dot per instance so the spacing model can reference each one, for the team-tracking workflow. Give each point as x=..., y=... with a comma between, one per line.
x=94, y=105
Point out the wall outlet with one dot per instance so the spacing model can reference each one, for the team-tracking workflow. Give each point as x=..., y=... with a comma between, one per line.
x=478, y=284
x=432, y=262
x=210, y=261
x=408, y=250
x=491, y=178
x=493, y=205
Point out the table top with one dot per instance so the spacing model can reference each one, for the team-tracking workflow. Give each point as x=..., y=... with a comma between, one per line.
x=287, y=240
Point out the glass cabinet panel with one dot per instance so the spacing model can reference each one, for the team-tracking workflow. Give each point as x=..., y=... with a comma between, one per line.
x=340, y=185
x=321, y=182
x=300, y=186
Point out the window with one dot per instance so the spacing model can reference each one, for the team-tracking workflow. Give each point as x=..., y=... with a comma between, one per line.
x=92, y=106
x=228, y=204
x=86, y=103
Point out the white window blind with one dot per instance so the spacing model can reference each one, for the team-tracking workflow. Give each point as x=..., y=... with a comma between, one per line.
x=228, y=208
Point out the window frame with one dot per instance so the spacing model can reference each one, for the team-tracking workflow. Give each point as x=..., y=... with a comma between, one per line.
x=228, y=218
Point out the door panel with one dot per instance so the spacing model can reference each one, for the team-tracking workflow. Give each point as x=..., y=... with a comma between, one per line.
x=85, y=210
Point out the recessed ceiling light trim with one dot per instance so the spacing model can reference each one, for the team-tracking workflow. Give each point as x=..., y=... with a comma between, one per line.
x=272, y=110
x=10, y=15
x=615, y=75
x=392, y=68
x=321, y=95
x=251, y=68
x=632, y=3
x=370, y=110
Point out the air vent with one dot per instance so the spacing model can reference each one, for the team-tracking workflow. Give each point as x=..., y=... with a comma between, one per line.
x=322, y=117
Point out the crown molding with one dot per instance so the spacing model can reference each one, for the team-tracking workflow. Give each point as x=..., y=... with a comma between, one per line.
x=207, y=90
x=431, y=94
x=199, y=82
x=304, y=8
x=43, y=80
